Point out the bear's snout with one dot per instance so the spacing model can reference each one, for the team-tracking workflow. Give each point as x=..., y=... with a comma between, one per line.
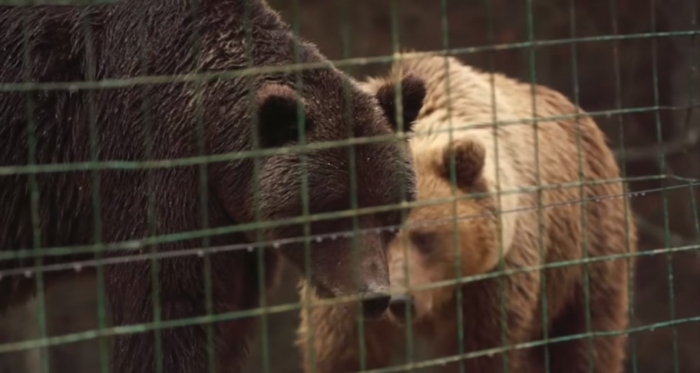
x=399, y=305
x=374, y=304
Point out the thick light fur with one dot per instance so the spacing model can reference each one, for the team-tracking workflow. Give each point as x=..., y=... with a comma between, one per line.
x=556, y=163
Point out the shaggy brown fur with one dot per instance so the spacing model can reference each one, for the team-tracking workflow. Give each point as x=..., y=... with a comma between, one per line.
x=134, y=38
x=425, y=246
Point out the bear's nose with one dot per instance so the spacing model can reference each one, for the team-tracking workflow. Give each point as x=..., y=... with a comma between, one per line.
x=400, y=304
x=374, y=305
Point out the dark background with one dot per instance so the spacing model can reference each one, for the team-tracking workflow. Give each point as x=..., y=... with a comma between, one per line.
x=617, y=76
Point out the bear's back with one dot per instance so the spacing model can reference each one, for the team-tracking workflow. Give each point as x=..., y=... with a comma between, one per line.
x=129, y=39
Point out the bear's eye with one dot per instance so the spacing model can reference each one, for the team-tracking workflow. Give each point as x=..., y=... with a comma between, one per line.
x=423, y=241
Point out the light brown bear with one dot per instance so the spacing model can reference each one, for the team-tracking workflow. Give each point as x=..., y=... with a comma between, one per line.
x=579, y=298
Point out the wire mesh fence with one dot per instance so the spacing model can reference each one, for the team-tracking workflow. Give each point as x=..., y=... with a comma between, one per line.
x=631, y=66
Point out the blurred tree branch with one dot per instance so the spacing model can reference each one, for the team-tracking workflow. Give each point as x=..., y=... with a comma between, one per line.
x=688, y=139
x=660, y=233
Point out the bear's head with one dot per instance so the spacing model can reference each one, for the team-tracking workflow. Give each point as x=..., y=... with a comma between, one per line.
x=344, y=254
x=450, y=228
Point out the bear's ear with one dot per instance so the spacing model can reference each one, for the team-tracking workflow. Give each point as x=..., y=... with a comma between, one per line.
x=413, y=93
x=469, y=158
x=278, y=115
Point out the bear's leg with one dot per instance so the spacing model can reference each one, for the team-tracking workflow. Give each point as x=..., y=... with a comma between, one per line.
x=485, y=314
x=608, y=313
x=183, y=349
x=336, y=347
x=501, y=360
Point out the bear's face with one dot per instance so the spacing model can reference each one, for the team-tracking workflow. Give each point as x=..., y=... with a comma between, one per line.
x=335, y=179
x=440, y=236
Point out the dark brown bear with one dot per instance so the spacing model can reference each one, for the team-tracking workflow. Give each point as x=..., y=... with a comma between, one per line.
x=492, y=212
x=139, y=122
